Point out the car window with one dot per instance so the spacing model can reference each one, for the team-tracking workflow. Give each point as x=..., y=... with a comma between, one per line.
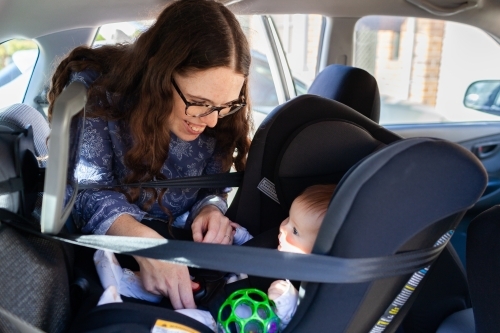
x=263, y=94
x=17, y=60
x=424, y=67
x=301, y=36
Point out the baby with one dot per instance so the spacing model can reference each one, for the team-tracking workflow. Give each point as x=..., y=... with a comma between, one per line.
x=297, y=234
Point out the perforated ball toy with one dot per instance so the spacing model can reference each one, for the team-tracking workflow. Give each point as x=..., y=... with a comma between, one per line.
x=247, y=311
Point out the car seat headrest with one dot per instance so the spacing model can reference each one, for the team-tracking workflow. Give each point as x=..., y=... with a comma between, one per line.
x=288, y=156
x=351, y=86
x=326, y=148
x=396, y=193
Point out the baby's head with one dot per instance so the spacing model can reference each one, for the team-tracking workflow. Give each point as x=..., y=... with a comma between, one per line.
x=298, y=232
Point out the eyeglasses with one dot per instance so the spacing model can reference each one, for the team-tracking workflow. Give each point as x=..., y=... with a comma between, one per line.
x=201, y=110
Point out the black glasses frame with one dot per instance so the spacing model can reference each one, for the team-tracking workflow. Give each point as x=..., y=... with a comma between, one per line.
x=233, y=107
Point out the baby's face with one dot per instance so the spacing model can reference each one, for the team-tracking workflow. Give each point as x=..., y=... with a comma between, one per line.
x=298, y=232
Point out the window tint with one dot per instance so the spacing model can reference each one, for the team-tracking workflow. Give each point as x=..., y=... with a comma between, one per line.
x=423, y=67
x=17, y=60
x=300, y=36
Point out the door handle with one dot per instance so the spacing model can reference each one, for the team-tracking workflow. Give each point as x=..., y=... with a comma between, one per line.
x=485, y=150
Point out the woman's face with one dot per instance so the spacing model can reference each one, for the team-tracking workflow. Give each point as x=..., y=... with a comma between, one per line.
x=215, y=86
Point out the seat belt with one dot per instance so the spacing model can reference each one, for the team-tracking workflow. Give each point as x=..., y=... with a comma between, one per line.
x=228, y=179
x=250, y=260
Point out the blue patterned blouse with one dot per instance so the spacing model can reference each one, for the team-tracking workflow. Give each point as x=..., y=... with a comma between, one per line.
x=102, y=162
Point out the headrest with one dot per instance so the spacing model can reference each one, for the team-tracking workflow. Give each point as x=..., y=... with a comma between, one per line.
x=18, y=116
x=313, y=140
x=8, y=199
x=23, y=149
x=351, y=86
x=396, y=193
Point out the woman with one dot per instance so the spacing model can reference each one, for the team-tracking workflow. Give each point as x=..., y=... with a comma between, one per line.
x=172, y=104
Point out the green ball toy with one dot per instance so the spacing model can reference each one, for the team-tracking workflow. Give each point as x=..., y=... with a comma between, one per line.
x=247, y=311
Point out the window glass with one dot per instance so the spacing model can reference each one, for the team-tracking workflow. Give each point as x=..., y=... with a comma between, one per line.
x=263, y=95
x=423, y=67
x=17, y=60
x=300, y=36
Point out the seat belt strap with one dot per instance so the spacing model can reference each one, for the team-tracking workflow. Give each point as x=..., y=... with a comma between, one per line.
x=250, y=260
x=228, y=179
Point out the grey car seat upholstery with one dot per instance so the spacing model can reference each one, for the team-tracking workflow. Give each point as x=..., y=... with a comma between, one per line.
x=305, y=141
x=312, y=140
x=351, y=86
x=373, y=213
x=358, y=89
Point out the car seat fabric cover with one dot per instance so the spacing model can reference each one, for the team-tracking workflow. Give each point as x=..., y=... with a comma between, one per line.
x=483, y=269
x=404, y=197
x=338, y=138
x=351, y=86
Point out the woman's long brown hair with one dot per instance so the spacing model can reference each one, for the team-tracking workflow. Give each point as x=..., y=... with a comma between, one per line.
x=188, y=35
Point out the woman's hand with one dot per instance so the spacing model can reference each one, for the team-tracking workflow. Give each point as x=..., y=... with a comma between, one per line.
x=158, y=277
x=277, y=288
x=210, y=226
x=169, y=280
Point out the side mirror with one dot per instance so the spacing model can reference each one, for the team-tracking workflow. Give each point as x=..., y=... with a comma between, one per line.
x=484, y=96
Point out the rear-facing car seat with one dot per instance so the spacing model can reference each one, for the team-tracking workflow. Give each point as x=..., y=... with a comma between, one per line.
x=306, y=141
x=358, y=89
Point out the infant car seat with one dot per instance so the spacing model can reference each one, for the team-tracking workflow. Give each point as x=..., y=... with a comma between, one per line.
x=306, y=141
x=387, y=205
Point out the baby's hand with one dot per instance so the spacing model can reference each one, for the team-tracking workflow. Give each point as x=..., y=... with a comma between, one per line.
x=277, y=288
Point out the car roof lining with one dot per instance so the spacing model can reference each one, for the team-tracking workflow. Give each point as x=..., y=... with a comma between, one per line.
x=28, y=19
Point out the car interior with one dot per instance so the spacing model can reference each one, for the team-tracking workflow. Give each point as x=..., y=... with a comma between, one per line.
x=396, y=101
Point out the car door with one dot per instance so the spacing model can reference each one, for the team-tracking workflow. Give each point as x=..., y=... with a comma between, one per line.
x=424, y=68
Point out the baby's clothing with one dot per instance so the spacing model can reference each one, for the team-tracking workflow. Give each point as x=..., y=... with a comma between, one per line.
x=286, y=305
x=126, y=282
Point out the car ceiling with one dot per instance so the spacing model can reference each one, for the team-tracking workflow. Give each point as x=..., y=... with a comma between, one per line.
x=30, y=19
